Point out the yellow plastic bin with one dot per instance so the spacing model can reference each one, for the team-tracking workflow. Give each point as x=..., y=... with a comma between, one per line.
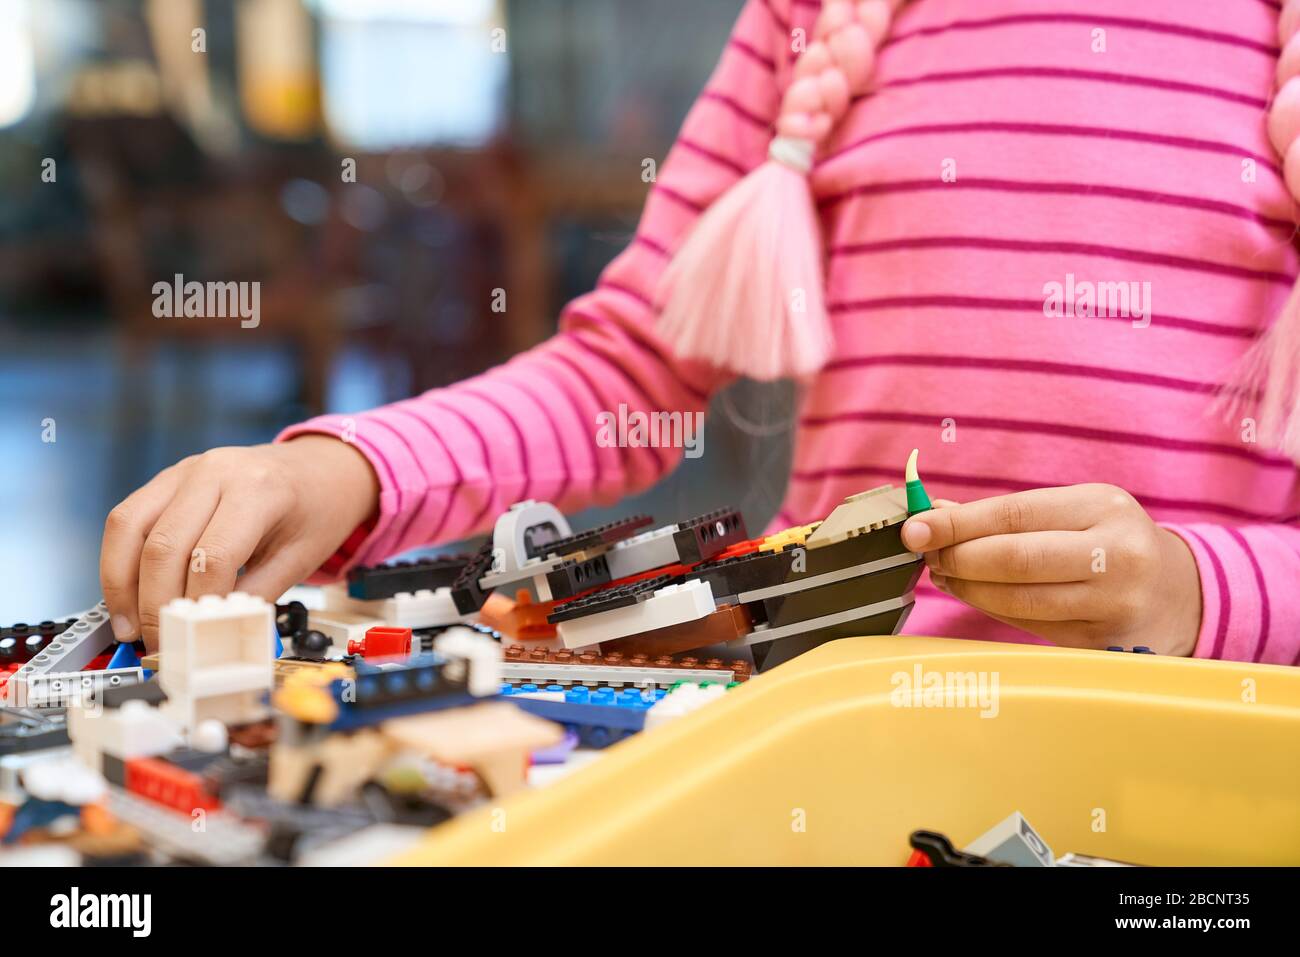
x=833, y=759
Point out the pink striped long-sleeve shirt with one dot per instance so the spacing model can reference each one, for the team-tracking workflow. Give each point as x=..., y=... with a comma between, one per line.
x=1111, y=141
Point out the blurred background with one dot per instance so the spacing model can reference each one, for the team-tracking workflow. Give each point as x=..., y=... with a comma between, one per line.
x=497, y=143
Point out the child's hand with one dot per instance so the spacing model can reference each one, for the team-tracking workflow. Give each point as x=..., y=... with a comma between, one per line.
x=277, y=511
x=1082, y=565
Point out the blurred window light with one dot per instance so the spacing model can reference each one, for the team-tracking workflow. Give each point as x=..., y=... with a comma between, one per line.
x=17, y=64
x=410, y=73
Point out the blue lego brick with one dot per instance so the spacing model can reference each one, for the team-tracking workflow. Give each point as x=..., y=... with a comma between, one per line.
x=600, y=718
x=393, y=691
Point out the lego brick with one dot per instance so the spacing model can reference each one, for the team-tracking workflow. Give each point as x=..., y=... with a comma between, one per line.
x=480, y=654
x=610, y=599
x=739, y=668
x=573, y=577
x=806, y=603
x=169, y=785
x=422, y=609
x=612, y=677
x=1013, y=841
x=341, y=627
x=466, y=592
x=708, y=535
x=149, y=692
x=65, y=690
x=932, y=849
x=522, y=535
x=383, y=642
x=860, y=514
x=641, y=553
x=602, y=535
x=731, y=577
x=669, y=605
x=727, y=623
x=215, y=658
x=519, y=618
x=600, y=719
x=796, y=581
x=394, y=690
x=775, y=646
x=71, y=650
x=683, y=700
x=290, y=619
x=371, y=582
x=224, y=840
x=21, y=642
x=132, y=730
x=28, y=730
x=114, y=769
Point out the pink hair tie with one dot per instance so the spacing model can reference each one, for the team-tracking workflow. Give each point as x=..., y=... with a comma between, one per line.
x=745, y=290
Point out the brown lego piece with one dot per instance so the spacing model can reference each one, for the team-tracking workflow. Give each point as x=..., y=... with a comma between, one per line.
x=726, y=624
x=739, y=668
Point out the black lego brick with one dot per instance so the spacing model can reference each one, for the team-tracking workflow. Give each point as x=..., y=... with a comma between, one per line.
x=858, y=550
x=731, y=576
x=149, y=692
x=606, y=534
x=27, y=730
x=769, y=654
x=574, y=577
x=466, y=592
x=624, y=596
x=371, y=582
x=114, y=769
x=708, y=535
x=855, y=592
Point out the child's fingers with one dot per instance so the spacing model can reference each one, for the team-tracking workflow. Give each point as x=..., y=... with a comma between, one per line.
x=1038, y=602
x=119, y=556
x=1035, y=510
x=165, y=557
x=232, y=535
x=1028, y=557
x=280, y=569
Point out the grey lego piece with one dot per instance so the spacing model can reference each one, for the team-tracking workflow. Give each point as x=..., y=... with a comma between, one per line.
x=640, y=553
x=763, y=634
x=1012, y=841
x=13, y=765
x=64, y=689
x=77, y=646
x=612, y=675
x=223, y=840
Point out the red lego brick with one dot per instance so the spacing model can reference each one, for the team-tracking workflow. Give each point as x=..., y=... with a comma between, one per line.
x=382, y=642
x=168, y=785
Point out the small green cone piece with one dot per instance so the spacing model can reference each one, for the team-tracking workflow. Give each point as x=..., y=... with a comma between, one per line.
x=917, y=499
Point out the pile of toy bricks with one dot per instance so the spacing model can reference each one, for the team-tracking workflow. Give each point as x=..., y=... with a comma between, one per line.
x=702, y=588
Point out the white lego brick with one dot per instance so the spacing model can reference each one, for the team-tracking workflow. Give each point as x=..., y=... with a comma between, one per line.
x=135, y=730
x=421, y=609
x=215, y=658
x=640, y=553
x=77, y=646
x=1013, y=841
x=213, y=633
x=672, y=605
x=510, y=534
x=684, y=700
x=483, y=655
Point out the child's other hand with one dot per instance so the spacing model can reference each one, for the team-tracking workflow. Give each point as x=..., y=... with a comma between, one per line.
x=277, y=511
x=1082, y=565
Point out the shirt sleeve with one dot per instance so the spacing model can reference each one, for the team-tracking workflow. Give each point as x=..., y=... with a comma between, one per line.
x=1250, y=605
x=450, y=460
